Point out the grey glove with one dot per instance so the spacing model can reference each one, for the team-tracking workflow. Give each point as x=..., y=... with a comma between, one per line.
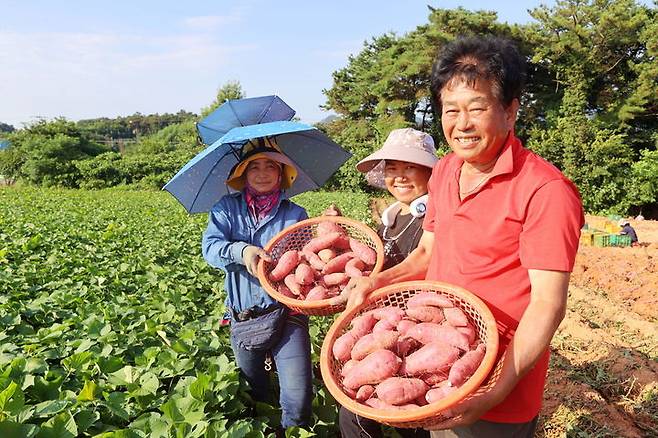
x=251, y=255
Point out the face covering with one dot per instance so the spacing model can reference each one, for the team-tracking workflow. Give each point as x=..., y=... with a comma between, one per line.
x=260, y=204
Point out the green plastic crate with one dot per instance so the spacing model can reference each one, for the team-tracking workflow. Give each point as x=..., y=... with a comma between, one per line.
x=620, y=240
x=602, y=240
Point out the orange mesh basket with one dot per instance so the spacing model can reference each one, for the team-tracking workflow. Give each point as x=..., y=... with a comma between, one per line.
x=397, y=295
x=294, y=238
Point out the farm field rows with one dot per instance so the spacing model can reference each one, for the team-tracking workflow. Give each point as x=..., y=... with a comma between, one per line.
x=110, y=327
x=110, y=320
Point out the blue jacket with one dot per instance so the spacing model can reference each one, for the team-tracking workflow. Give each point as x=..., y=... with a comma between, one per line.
x=230, y=229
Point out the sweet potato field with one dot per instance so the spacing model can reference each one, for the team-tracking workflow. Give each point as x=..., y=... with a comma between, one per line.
x=109, y=327
x=110, y=317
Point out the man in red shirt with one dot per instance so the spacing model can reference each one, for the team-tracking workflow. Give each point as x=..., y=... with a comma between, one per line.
x=502, y=223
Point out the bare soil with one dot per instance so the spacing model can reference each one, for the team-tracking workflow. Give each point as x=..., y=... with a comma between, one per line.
x=603, y=379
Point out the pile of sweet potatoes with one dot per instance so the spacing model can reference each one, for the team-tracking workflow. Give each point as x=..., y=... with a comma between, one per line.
x=402, y=358
x=323, y=266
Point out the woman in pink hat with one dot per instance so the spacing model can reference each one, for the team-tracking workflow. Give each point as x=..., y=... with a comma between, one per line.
x=403, y=166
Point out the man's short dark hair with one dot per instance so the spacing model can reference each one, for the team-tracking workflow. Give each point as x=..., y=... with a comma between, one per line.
x=480, y=58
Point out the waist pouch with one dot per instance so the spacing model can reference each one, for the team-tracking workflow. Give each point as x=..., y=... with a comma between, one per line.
x=260, y=332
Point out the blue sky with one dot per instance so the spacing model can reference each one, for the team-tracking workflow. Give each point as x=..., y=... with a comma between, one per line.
x=86, y=59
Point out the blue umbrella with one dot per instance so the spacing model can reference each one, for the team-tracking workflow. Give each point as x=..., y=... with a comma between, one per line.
x=242, y=112
x=202, y=181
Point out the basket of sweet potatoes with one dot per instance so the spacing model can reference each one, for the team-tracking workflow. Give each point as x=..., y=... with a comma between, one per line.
x=409, y=353
x=313, y=260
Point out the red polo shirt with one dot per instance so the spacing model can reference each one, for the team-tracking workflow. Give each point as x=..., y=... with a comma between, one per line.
x=526, y=216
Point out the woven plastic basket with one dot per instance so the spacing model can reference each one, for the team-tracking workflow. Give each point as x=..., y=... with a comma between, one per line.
x=397, y=295
x=295, y=237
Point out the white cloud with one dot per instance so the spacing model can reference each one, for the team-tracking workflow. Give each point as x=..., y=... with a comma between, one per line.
x=84, y=74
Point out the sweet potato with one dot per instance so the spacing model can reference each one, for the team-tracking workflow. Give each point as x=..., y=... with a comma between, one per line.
x=373, y=342
x=431, y=358
x=285, y=290
x=420, y=401
x=343, y=345
x=354, y=267
x=439, y=392
x=383, y=325
x=347, y=366
x=426, y=314
x=404, y=325
x=350, y=392
x=326, y=255
x=466, y=365
x=318, y=292
x=363, y=324
x=400, y=390
x=374, y=368
x=304, y=274
x=427, y=332
x=326, y=227
x=293, y=284
x=406, y=345
x=287, y=262
x=469, y=331
x=435, y=378
x=456, y=317
x=364, y=393
x=429, y=299
x=321, y=242
x=313, y=260
x=338, y=263
x=363, y=251
x=391, y=313
x=376, y=403
x=335, y=278
x=342, y=243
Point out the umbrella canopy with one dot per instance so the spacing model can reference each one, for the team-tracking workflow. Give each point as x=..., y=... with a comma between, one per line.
x=242, y=112
x=202, y=181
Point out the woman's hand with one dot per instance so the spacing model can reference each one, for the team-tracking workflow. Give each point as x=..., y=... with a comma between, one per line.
x=251, y=256
x=332, y=210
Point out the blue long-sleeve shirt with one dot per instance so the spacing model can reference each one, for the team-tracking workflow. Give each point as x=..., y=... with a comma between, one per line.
x=230, y=229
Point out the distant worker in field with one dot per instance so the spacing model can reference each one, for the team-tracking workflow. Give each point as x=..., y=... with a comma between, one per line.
x=502, y=223
x=627, y=230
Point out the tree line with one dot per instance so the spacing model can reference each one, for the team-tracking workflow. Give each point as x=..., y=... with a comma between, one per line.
x=590, y=107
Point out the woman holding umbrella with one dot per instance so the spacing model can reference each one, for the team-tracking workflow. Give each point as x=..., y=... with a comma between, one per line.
x=239, y=225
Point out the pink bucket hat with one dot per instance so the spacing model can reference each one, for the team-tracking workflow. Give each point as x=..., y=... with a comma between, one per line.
x=405, y=144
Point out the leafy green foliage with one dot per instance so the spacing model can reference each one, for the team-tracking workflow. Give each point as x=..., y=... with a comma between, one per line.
x=5, y=127
x=229, y=91
x=132, y=126
x=45, y=153
x=111, y=317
